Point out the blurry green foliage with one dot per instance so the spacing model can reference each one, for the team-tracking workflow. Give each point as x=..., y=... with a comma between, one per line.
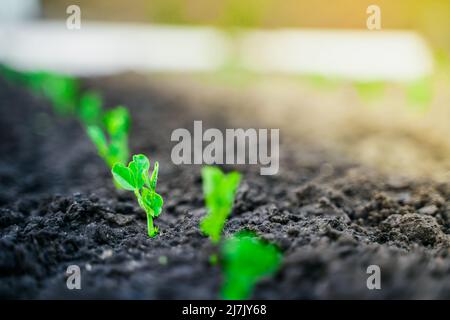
x=370, y=91
x=61, y=90
x=219, y=190
x=245, y=260
x=442, y=59
x=11, y=74
x=108, y=130
x=90, y=108
x=111, y=138
x=167, y=11
x=420, y=93
x=248, y=13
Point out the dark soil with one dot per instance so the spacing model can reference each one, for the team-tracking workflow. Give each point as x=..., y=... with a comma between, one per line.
x=332, y=219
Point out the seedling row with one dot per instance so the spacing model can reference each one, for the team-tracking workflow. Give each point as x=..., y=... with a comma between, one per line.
x=243, y=257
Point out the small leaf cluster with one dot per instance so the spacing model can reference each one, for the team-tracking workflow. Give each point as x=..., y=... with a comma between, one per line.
x=219, y=190
x=61, y=90
x=246, y=259
x=108, y=130
x=135, y=177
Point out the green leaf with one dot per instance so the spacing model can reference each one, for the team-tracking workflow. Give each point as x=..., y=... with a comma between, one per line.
x=146, y=199
x=152, y=202
x=246, y=259
x=90, y=108
x=219, y=191
x=420, y=93
x=157, y=204
x=118, y=150
x=98, y=139
x=123, y=176
x=61, y=90
x=154, y=179
x=211, y=177
x=142, y=163
x=139, y=166
x=117, y=121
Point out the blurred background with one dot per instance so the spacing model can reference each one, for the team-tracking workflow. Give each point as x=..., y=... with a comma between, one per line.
x=312, y=68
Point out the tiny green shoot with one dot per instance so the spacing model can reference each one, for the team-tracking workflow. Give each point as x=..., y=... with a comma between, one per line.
x=245, y=260
x=219, y=190
x=135, y=177
x=116, y=123
x=420, y=93
x=90, y=108
x=370, y=91
x=61, y=90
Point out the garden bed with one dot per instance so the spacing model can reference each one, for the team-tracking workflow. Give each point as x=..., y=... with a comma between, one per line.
x=331, y=218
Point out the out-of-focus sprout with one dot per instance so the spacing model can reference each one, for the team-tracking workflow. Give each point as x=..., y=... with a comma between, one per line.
x=420, y=93
x=61, y=90
x=111, y=139
x=246, y=259
x=90, y=108
x=370, y=91
x=219, y=190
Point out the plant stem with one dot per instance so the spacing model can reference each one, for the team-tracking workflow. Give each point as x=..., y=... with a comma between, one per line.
x=152, y=231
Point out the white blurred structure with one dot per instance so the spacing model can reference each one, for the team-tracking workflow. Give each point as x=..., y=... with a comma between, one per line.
x=358, y=55
x=101, y=48
x=18, y=10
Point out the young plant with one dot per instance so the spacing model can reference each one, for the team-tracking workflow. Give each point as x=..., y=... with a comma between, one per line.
x=136, y=178
x=245, y=260
x=116, y=123
x=90, y=108
x=370, y=91
x=219, y=190
x=420, y=93
x=60, y=89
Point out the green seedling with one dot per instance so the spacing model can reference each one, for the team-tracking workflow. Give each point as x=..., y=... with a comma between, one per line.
x=61, y=90
x=90, y=108
x=245, y=260
x=219, y=190
x=420, y=93
x=370, y=91
x=116, y=124
x=136, y=178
